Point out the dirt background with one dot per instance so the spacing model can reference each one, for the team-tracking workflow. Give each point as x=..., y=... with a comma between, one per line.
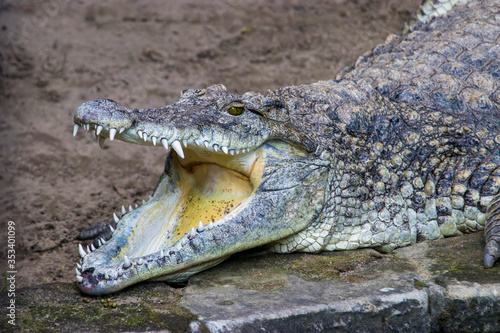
x=57, y=54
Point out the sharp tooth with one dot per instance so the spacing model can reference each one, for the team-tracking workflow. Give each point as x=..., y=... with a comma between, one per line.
x=101, y=141
x=122, y=130
x=79, y=266
x=210, y=225
x=205, y=143
x=106, y=276
x=75, y=129
x=112, y=133
x=103, y=241
x=145, y=136
x=140, y=262
x=86, y=127
x=164, y=142
x=150, y=197
x=112, y=229
x=99, y=243
x=88, y=249
x=216, y=148
x=185, y=143
x=153, y=138
x=192, y=233
x=81, y=251
x=136, y=206
x=231, y=151
x=139, y=132
x=77, y=271
x=161, y=254
x=126, y=262
x=178, y=148
x=98, y=130
x=237, y=151
x=200, y=227
x=123, y=210
x=143, y=201
x=115, y=218
x=130, y=208
x=224, y=149
x=92, y=247
x=79, y=278
x=183, y=241
x=197, y=141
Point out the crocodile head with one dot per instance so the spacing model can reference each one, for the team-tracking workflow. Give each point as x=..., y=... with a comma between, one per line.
x=237, y=171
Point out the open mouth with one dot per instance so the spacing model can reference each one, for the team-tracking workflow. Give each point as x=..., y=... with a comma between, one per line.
x=203, y=185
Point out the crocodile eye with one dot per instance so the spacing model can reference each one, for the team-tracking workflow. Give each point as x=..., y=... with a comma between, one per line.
x=236, y=110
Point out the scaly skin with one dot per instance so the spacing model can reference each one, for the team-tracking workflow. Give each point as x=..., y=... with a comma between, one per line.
x=402, y=147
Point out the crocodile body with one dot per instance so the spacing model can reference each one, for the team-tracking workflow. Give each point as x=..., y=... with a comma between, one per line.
x=400, y=148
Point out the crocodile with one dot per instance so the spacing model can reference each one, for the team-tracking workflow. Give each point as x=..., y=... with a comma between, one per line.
x=402, y=147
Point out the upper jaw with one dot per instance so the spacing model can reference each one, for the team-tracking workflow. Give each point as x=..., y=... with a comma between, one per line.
x=110, y=120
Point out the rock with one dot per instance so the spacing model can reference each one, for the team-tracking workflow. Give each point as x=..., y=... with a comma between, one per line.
x=428, y=287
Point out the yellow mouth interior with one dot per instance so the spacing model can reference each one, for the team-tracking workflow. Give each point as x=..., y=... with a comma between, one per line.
x=203, y=188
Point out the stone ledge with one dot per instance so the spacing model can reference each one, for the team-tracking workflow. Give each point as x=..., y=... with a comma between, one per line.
x=437, y=286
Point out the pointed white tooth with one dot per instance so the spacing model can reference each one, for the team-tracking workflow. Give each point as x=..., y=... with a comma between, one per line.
x=237, y=151
x=92, y=247
x=86, y=127
x=164, y=142
x=183, y=241
x=210, y=225
x=224, y=149
x=153, y=138
x=136, y=206
x=79, y=266
x=124, y=211
x=140, y=262
x=122, y=130
x=143, y=201
x=178, y=148
x=88, y=249
x=200, y=227
x=139, y=132
x=98, y=130
x=81, y=251
x=150, y=197
x=112, y=133
x=112, y=229
x=103, y=241
x=102, y=140
x=161, y=254
x=106, y=276
x=130, y=208
x=216, y=148
x=231, y=151
x=77, y=271
x=75, y=129
x=79, y=278
x=197, y=141
x=145, y=136
x=205, y=143
x=99, y=243
x=185, y=143
x=126, y=262
x=115, y=218
x=192, y=233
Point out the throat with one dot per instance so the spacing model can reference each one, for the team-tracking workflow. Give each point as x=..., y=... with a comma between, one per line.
x=203, y=192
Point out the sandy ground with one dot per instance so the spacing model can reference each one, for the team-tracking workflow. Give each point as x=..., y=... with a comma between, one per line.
x=57, y=54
